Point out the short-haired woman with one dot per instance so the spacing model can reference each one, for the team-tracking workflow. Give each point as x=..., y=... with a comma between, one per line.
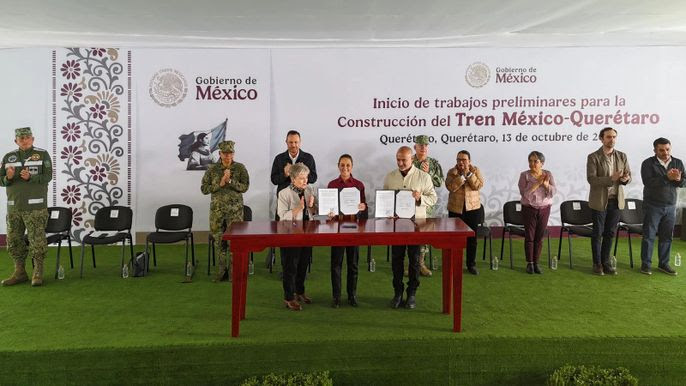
x=537, y=188
x=296, y=202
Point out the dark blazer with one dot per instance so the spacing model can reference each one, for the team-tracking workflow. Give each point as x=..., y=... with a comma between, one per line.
x=599, y=177
x=658, y=190
x=280, y=180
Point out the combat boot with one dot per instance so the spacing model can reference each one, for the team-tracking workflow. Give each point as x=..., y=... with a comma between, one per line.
x=222, y=273
x=423, y=270
x=37, y=279
x=19, y=275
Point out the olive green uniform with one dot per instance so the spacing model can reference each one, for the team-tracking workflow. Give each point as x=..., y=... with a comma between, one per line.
x=27, y=202
x=436, y=173
x=226, y=205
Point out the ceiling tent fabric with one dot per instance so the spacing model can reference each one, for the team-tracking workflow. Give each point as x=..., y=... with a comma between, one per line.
x=351, y=23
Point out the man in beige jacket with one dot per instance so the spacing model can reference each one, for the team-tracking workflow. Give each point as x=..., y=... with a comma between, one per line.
x=464, y=182
x=607, y=171
x=408, y=177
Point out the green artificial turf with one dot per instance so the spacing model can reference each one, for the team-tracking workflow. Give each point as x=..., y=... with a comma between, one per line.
x=517, y=328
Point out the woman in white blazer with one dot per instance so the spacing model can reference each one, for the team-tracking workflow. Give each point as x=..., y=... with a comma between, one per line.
x=296, y=202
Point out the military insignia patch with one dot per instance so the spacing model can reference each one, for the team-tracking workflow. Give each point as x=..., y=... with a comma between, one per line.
x=12, y=158
x=35, y=157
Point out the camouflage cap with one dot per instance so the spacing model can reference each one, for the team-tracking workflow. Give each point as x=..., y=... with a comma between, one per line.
x=421, y=139
x=22, y=131
x=226, y=146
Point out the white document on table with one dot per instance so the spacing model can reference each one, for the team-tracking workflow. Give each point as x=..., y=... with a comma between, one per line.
x=349, y=199
x=384, y=203
x=405, y=204
x=328, y=201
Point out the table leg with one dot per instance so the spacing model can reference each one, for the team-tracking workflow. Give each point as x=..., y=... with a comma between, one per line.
x=456, y=256
x=237, y=298
x=447, y=280
x=244, y=286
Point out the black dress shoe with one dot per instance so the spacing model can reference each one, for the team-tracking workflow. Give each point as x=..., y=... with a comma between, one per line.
x=397, y=301
x=537, y=269
x=336, y=302
x=473, y=270
x=411, y=302
x=529, y=268
x=352, y=301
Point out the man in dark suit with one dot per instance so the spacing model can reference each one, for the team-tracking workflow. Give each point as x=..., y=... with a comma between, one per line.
x=281, y=176
x=607, y=171
x=283, y=162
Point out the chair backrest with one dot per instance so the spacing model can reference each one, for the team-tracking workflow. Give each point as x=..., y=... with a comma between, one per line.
x=512, y=213
x=113, y=218
x=174, y=217
x=247, y=213
x=576, y=212
x=482, y=215
x=59, y=220
x=632, y=212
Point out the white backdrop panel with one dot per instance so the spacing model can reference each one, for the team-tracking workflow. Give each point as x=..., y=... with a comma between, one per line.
x=314, y=89
x=162, y=177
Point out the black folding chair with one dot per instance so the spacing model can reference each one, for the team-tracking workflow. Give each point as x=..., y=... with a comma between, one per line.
x=115, y=219
x=577, y=219
x=247, y=216
x=173, y=223
x=514, y=224
x=483, y=231
x=631, y=221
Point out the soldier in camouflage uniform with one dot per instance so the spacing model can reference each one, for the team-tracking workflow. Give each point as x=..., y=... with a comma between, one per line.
x=423, y=162
x=25, y=173
x=226, y=181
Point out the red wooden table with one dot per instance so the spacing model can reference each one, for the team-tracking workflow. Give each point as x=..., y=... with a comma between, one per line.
x=448, y=234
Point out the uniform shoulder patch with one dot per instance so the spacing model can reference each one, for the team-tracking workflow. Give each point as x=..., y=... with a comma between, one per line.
x=12, y=158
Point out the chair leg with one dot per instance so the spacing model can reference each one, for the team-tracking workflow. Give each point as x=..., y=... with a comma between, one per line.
x=490, y=248
x=147, y=252
x=192, y=249
x=631, y=252
x=123, y=252
x=93, y=254
x=569, y=242
x=369, y=255
x=509, y=237
x=154, y=255
x=210, y=243
x=616, y=240
x=71, y=256
x=559, y=246
x=57, y=259
x=185, y=264
x=83, y=251
x=502, y=243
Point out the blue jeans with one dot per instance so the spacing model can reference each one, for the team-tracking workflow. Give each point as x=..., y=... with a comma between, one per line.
x=604, y=228
x=658, y=220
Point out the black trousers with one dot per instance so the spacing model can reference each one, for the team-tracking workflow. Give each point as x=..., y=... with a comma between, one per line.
x=471, y=218
x=294, y=263
x=604, y=228
x=352, y=260
x=397, y=264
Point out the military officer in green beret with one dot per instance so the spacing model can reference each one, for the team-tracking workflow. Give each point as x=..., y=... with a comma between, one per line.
x=25, y=172
x=423, y=162
x=226, y=181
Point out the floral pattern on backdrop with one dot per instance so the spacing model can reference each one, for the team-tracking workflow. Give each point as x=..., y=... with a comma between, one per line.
x=91, y=132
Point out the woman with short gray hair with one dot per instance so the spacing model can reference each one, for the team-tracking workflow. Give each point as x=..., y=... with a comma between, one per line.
x=537, y=188
x=296, y=202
